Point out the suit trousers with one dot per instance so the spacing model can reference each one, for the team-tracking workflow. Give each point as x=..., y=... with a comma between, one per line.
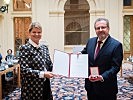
x=97, y=97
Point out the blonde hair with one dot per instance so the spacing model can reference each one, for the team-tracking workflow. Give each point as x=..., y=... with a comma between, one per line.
x=34, y=25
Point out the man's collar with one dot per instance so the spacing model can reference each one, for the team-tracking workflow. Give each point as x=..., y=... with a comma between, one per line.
x=104, y=39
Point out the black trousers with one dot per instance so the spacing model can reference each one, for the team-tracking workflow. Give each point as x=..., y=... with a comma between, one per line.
x=97, y=97
x=47, y=94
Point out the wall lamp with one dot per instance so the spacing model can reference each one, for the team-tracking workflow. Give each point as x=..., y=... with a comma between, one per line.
x=5, y=7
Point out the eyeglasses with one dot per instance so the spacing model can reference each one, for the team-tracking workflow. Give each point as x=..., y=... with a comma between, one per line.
x=102, y=27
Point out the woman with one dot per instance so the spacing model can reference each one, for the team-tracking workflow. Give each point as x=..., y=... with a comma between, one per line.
x=9, y=58
x=36, y=67
x=9, y=55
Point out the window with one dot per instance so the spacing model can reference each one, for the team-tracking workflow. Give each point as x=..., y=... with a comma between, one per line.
x=126, y=35
x=127, y=2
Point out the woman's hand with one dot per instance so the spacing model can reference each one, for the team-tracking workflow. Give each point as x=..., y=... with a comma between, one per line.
x=49, y=74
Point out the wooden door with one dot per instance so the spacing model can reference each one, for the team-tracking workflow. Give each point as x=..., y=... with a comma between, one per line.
x=21, y=25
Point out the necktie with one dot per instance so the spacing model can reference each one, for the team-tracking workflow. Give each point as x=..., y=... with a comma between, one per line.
x=97, y=49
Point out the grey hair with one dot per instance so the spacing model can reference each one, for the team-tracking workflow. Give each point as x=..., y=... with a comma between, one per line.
x=102, y=19
x=34, y=25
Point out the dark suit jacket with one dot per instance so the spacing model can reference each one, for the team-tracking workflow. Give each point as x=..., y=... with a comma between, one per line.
x=109, y=61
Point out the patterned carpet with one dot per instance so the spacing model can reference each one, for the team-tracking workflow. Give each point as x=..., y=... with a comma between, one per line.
x=73, y=88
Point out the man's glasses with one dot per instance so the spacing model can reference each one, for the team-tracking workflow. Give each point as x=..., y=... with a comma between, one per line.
x=102, y=27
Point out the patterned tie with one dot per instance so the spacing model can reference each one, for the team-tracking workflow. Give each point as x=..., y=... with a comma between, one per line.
x=97, y=49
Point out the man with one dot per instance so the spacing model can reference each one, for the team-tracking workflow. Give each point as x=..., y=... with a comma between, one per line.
x=108, y=61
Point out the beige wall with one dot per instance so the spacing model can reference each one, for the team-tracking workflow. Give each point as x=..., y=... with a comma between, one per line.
x=50, y=13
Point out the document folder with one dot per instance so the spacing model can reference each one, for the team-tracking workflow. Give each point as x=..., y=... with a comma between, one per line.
x=70, y=65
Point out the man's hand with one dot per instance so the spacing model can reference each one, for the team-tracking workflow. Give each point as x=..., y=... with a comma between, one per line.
x=94, y=78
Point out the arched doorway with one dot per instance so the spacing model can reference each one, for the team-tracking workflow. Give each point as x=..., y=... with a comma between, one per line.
x=76, y=22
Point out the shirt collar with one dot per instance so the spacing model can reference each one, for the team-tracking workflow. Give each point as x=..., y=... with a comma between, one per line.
x=103, y=40
x=34, y=44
